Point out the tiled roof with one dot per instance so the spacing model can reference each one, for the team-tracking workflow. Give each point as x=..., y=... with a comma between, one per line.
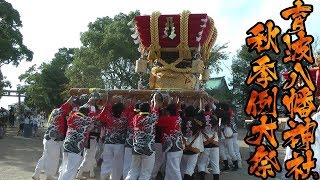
x=216, y=83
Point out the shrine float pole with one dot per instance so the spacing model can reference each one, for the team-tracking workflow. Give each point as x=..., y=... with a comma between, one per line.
x=142, y=93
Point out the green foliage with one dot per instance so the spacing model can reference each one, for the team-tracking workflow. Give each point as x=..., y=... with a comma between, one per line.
x=3, y=82
x=45, y=85
x=220, y=94
x=12, y=49
x=240, y=69
x=108, y=54
x=85, y=70
x=217, y=55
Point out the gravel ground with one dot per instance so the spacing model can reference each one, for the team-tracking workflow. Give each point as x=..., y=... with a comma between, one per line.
x=19, y=155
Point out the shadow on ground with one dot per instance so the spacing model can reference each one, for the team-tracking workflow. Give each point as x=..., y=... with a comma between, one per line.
x=19, y=155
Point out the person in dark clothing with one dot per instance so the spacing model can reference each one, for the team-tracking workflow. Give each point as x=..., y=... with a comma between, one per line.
x=21, y=124
x=172, y=140
x=159, y=155
x=11, y=116
x=192, y=141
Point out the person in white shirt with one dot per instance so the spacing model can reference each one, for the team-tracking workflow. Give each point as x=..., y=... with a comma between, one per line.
x=35, y=124
x=40, y=120
x=27, y=119
x=226, y=137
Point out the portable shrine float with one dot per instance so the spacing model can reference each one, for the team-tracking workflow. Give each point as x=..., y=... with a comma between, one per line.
x=176, y=48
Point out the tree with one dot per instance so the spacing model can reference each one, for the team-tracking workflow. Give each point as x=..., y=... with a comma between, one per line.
x=316, y=50
x=45, y=85
x=12, y=49
x=220, y=94
x=217, y=55
x=3, y=82
x=85, y=70
x=240, y=69
x=108, y=54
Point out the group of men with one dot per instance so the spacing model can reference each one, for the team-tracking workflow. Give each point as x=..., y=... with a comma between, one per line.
x=140, y=137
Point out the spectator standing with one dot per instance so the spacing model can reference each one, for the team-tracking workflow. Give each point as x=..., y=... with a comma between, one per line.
x=35, y=124
x=21, y=124
x=27, y=119
x=11, y=116
x=40, y=118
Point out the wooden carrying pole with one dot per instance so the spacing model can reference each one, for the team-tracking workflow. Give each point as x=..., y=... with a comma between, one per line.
x=142, y=93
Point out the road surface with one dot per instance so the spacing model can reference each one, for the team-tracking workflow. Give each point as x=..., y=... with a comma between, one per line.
x=19, y=155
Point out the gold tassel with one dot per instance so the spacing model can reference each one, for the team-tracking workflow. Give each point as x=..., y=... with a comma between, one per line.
x=150, y=63
x=152, y=81
x=151, y=55
x=188, y=56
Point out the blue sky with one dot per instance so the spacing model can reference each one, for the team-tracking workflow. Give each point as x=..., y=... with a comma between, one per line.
x=50, y=25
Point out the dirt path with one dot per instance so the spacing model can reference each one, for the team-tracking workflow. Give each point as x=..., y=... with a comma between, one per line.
x=19, y=155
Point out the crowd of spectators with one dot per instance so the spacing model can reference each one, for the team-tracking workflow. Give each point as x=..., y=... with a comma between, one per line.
x=10, y=118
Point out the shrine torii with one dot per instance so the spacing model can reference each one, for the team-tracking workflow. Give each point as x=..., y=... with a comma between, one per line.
x=13, y=93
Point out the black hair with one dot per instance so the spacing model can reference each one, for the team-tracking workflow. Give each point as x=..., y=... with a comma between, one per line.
x=224, y=106
x=171, y=109
x=200, y=116
x=190, y=111
x=117, y=109
x=207, y=108
x=160, y=96
x=144, y=107
x=183, y=106
x=83, y=98
x=77, y=101
x=214, y=120
x=162, y=111
x=137, y=108
x=222, y=112
x=84, y=110
x=64, y=101
x=95, y=95
x=196, y=110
